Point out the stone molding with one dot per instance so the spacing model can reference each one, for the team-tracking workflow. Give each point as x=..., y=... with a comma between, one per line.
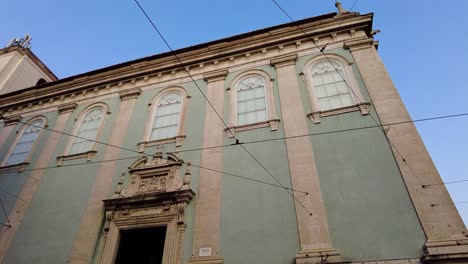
x=14, y=168
x=364, y=108
x=11, y=120
x=358, y=44
x=446, y=251
x=129, y=94
x=197, y=62
x=88, y=155
x=284, y=60
x=178, y=140
x=273, y=124
x=206, y=260
x=319, y=256
x=152, y=108
x=141, y=204
x=67, y=108
x=218, y=75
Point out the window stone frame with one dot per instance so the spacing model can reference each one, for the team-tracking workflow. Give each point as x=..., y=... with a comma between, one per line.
x=22, y=165
x=91, y=153
x=272, y=119
x=152, y=107
x=315, y=112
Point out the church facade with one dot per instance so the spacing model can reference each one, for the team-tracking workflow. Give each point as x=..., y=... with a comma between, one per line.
x=288, y=144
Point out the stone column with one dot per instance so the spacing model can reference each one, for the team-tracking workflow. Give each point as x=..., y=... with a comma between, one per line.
x=208, y=207
x=440, y=220
x=86, y=238
x=313, y=229
x=32, y=182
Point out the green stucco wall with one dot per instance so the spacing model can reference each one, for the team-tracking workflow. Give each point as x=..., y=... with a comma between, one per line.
x=369, y=211
x=50, y=224
x=370, y=214
x=258, y=221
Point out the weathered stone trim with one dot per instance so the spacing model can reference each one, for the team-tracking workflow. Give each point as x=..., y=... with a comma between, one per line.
x=364, y=108
x=130, y=94
x=11, y=120
x=179, y=140
x=273, y=124
x=67, y=108
x=208, y=206
x=88, y=155
x=283, y=61
x=152, y=107
x=312, y=224
x=272, y=117
x=214, y=76
x=14, y=168
x=92, y=152
x=19, y=134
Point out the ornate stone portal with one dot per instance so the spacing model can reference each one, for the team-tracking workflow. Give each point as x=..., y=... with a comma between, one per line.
x=153, y=196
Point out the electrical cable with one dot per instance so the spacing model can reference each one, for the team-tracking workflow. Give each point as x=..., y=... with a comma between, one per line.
x=6, y=215
x=115, y=146
x=212, y=107
x=333, y=131
x=351, y=89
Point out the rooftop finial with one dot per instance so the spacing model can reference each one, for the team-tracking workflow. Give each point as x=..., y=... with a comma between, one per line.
x=340, y=8
x=21, y=42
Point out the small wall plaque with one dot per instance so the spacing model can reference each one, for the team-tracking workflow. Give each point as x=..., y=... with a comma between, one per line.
x=204, y=252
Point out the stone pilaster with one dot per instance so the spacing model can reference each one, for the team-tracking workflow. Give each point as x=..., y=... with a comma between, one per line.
x=29, y=188
x=89, y=228
x=444, y=228
x=208, y=208
x=313, y=229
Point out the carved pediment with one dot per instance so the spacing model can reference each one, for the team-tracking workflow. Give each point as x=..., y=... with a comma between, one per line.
x=159, y=173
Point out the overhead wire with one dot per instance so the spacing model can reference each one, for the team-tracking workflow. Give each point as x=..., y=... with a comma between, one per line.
x=352, y=90
x=214, y=109
x=118, y=159
x=244, y=143
x=6, y=215
x=333, y=131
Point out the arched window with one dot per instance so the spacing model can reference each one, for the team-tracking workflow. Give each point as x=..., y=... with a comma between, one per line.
x=25, y=142
x=167, y=116
x=165, y=119
x=88, y=128
x=331, y=89
x=251, y=101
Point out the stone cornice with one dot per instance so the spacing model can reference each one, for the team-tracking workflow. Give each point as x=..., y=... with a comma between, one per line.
x=12, y=120
x=67, y=108
x=202, y=58
x=219, y=75
x=129, y=94
x=282, y=61
x=359, y=44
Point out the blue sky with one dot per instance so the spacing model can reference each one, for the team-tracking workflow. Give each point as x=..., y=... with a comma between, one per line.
x=423, y=45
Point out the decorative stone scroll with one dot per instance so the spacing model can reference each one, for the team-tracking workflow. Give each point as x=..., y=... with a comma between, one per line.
x=151, y=194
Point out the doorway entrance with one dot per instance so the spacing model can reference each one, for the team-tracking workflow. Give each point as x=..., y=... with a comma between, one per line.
x=141, y=245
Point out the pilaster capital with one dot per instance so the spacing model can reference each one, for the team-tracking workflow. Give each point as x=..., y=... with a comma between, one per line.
x=12, y=120
x=129, y=94
x=67, y=108
x=282, y=61
x=359, y=44
x=213, y=76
